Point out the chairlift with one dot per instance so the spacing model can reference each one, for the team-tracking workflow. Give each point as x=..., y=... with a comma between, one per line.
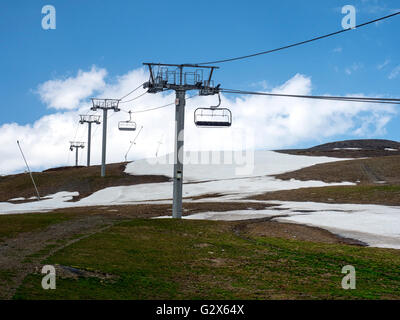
x=128, y=125
x=213, y=117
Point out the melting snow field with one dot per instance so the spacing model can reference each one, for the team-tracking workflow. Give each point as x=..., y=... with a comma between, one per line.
x=50, y=202
x=375, y=225
x=198, y=166
x=235, y=181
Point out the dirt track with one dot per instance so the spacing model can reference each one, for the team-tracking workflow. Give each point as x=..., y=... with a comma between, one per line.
x=22, y=255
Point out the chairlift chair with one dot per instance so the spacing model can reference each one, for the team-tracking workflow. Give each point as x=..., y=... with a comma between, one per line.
x=213, y=117
x=128, y=125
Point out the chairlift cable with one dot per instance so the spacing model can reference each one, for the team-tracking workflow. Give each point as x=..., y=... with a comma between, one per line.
x=139, y=96
x=128, y=94
x=333, y=98
x=156, y=108
x=298, y=43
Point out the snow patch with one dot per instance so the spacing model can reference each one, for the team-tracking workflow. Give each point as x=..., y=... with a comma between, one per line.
x=197, y=166
x=375, y=225
x=17, y=199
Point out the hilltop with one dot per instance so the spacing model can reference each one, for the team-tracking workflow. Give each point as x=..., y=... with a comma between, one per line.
x=351, y=149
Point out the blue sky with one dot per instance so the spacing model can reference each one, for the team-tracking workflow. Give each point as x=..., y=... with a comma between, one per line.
x=119, y=35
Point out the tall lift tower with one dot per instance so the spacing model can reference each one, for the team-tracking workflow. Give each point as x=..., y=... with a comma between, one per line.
x=89, y=119
x=105, y=105
x=180, y=78
x=76, y=145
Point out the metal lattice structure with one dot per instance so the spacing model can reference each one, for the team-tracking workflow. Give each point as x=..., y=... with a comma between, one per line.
x=181, y=77
x=89, y=119
x=105, y=104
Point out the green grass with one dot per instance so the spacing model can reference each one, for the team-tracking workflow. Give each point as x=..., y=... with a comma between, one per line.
x=168, y=259
x=12, y=225
x=368, y=194
x=6, y=276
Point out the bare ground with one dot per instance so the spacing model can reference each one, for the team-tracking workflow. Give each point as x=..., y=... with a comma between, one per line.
x=269, y=228
x=85, y=180
x=380, y=195
x=362, y=171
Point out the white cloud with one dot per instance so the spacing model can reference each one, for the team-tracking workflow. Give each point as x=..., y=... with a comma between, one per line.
x=338, y=50
x=68, y=93
x=384, y=64
x=353, y=68
x=271, y=122
x=395, y=73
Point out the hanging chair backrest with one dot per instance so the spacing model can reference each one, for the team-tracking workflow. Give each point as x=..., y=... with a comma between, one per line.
x=213, y=117
x=127, y=126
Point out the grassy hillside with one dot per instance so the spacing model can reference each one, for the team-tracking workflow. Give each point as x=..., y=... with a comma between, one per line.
x=85, y=180
x=168, y=259
x=117, y=252
x=377, y=179
x=364, y=171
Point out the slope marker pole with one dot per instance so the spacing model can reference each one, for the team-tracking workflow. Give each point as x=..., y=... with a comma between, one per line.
x=30, y=173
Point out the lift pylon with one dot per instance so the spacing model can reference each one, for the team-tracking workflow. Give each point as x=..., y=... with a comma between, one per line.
x=180, y=78
x=89, y=119
x=105, y=105
x=76, y=145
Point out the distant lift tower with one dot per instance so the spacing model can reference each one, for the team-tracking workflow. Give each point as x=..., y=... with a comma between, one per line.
x=105, y=105
x=76, y=145
x=89, y=119
x=180, y=78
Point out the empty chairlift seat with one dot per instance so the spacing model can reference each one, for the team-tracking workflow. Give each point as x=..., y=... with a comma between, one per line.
x=128, y=125
x=213, y=117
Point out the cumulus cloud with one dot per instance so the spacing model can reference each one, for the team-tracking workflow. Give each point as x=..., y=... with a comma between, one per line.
x=68, y=93
x=258, y=121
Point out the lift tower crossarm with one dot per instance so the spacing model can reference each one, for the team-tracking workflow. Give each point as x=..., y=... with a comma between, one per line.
x=180, y=81
x=89, y=119
x=76, y=145
x=105, y=105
